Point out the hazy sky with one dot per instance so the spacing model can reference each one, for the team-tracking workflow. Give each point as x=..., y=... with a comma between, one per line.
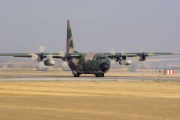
x=97, y=25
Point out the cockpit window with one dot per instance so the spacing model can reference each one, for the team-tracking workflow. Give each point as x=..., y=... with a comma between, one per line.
x=100, y=58
x=97, y=58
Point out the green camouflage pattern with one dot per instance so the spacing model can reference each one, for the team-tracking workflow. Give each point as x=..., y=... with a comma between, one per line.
x=70, y=44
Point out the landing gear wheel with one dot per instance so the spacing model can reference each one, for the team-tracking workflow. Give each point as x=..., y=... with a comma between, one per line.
x=76, y=75
x=99, y=75
x=102, y=75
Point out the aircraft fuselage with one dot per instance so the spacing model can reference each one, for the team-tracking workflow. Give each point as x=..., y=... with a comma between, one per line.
x=90, y=63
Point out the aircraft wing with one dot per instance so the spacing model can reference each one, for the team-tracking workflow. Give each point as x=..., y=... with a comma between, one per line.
x=139, y=54
x=54, y=55
x=145, y=54
x=16, y=54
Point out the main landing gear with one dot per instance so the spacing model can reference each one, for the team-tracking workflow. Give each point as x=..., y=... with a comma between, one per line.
x=76, y=75
x=99, y=75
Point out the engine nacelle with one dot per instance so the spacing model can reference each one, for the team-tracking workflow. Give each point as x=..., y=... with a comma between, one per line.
x=141, y=58
x=39, y=57
x=49, y=62
x=125, y=62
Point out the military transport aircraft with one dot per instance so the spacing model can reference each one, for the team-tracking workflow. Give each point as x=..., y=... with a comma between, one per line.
x=85, y=63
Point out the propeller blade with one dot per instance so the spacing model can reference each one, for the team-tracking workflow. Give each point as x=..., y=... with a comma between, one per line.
x=112, y=62
x=123, y=51
x=41, y=64
x=34, y=56
x=61, y=53
x=42, y=48
x=135, y=59
x=49, y=56
x=112, y=51
x=64, y=64
x=141, y=48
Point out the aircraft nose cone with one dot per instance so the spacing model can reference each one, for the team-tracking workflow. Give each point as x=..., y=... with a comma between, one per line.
x=104, y=66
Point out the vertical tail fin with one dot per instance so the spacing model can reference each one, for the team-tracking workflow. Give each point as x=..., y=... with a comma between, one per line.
x=70, y=44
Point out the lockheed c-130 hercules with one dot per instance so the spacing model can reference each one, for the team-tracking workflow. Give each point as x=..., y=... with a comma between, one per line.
x=85, y=63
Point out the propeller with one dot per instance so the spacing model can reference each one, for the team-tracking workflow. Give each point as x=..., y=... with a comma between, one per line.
x=64, y=64
x=142, y=55
x=38, y=56
x=61, y=53
x=49, y=57
x=34, y=56
x=137, y=58
x=114, y=59
x=42, y=48
x=41, y=64
x=133, y=60
x=123, y=51
x=141, y=48
x=112, y=51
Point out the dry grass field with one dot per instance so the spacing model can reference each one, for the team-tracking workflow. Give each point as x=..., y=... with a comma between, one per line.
x=89, y=100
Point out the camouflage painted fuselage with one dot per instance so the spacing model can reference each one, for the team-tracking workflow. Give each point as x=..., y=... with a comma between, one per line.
x=90, y=63
x=85, y=63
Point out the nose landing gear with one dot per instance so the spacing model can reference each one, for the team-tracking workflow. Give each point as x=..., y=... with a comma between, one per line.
x=77, y=75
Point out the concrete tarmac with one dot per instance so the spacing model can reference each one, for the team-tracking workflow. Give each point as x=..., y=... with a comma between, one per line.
x=91, y=78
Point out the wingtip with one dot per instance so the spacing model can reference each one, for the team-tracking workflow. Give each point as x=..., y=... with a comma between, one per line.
x=176, y=53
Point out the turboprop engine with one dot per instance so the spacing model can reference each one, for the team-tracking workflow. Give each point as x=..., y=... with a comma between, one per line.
x=49, y=62
x=141, y=57
x=124, y=62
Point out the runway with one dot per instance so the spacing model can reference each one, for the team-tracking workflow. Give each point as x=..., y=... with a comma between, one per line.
x=58, y=95
x=91, y=78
